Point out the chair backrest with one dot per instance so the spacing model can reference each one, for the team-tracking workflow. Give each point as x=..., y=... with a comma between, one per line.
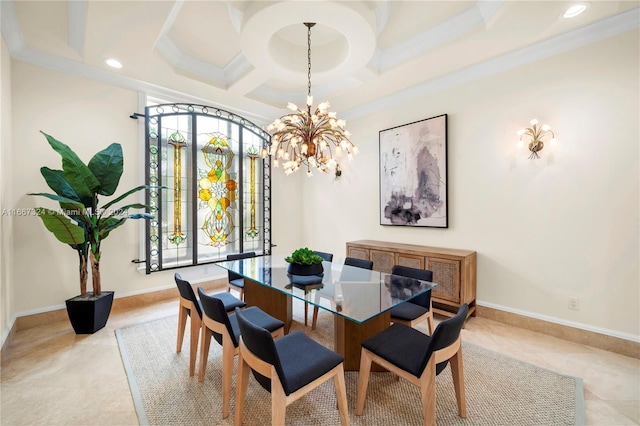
x=260, y=342
x=418, y=274
x=232, y=275
x=360, y=274
x=446, y=333
x=326, y=256
x=358, y=263
x=213, y=307
x=186, y=292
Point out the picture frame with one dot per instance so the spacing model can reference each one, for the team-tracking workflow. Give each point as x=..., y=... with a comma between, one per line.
x=413, y=174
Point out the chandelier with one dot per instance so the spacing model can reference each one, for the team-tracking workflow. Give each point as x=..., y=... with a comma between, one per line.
x=309, y=139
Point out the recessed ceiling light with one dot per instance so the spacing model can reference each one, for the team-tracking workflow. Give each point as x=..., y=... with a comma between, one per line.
x=574, y=10
x=113, y=63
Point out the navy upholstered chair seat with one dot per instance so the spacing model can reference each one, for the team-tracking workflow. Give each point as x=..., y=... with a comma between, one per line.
x=225, y=330
x=236, y=281
x=289, y=368
x=417, y=309
x=303, y=360
x=402, y=346
x=407, y=311
x=190, y=306
x=417, y=358
x=256, y=316
x=229, y=301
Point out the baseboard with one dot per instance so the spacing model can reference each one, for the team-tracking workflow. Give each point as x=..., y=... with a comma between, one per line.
x=120, y=304
x=598, y=340
x=573, y=334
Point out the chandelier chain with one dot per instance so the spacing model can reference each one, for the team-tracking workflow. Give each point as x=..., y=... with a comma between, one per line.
x=309, y=59
x=308, y=137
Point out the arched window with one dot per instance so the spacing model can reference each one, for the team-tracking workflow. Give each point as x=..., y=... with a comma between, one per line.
x=217, y=195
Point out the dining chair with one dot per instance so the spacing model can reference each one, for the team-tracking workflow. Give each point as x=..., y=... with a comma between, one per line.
x=236, y=281
x=417, y=309
x=308, y=283
x=288, y=368
x=326, y=256
x=347, y=274
x=224, y=329
x=189, y=306
x=417, y=358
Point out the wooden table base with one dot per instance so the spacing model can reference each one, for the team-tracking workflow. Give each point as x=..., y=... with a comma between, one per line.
x=348, y=337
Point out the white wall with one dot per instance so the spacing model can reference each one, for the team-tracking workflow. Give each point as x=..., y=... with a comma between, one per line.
x=546, y=230
x=7, y=307
x=88, y=116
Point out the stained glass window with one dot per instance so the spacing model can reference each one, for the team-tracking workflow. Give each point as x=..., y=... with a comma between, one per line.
x=215, y=191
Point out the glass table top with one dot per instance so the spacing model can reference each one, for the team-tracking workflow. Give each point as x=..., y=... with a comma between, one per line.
x=354, y=293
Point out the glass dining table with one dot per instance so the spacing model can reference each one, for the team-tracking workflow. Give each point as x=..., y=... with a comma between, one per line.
x=359, y=299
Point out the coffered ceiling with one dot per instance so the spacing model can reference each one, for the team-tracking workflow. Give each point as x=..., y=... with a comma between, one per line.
x=251, y=56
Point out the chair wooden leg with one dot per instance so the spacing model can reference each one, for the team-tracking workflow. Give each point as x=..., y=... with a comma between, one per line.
x=363, y=380
x=341, y=395
x=228, y=353
x=306, y=307
x=182, y=325
x=205, y=343
x=196, y=323
x=278, y=403
x=430, y=324
x=428, y=393
x=314, y=321
x=278, y=333
x=241, y=296
x=241, y=389
x=457, y=372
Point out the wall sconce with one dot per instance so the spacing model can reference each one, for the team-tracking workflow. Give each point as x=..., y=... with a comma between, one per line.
x=536, y=134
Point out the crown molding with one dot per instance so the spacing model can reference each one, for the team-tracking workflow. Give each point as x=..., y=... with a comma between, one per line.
x=597, y=31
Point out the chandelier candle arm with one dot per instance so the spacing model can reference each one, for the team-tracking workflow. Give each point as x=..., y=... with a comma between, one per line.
x=306, y=138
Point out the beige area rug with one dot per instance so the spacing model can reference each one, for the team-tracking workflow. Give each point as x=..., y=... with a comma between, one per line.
x=500, y=390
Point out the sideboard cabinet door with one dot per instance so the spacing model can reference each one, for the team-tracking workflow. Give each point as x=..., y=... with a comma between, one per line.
x=358, y=253
x=446, y=273
x=382, y=260
x=410, y=260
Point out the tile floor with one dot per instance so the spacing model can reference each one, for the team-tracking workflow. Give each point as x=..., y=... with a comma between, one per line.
x=53, y=377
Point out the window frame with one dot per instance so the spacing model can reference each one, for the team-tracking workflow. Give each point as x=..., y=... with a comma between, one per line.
x=153, y=197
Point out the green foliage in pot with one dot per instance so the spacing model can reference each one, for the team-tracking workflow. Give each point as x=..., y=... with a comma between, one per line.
x=304, y=256
x=80, y=222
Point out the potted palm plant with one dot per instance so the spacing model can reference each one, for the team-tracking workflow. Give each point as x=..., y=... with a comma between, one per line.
x=83, y=224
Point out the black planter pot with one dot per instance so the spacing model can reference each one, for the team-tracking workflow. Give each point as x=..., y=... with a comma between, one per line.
x=89, y=314
x=295, y=269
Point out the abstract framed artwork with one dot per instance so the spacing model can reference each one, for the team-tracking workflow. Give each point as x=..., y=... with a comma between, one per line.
x=413, y=174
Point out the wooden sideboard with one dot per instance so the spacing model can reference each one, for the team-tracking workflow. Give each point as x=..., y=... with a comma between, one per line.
x=454, y=270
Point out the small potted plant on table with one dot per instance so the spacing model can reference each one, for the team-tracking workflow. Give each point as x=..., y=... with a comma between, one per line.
x=304, y=262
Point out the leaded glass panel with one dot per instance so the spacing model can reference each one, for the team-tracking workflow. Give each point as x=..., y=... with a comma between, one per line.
x=216, y=199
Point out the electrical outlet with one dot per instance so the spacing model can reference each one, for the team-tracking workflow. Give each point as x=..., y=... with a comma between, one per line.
x=574, y=303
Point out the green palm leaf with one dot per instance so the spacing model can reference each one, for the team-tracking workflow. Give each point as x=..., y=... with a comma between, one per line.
x=75, y=171
x=107, y=166
x=60, y=225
